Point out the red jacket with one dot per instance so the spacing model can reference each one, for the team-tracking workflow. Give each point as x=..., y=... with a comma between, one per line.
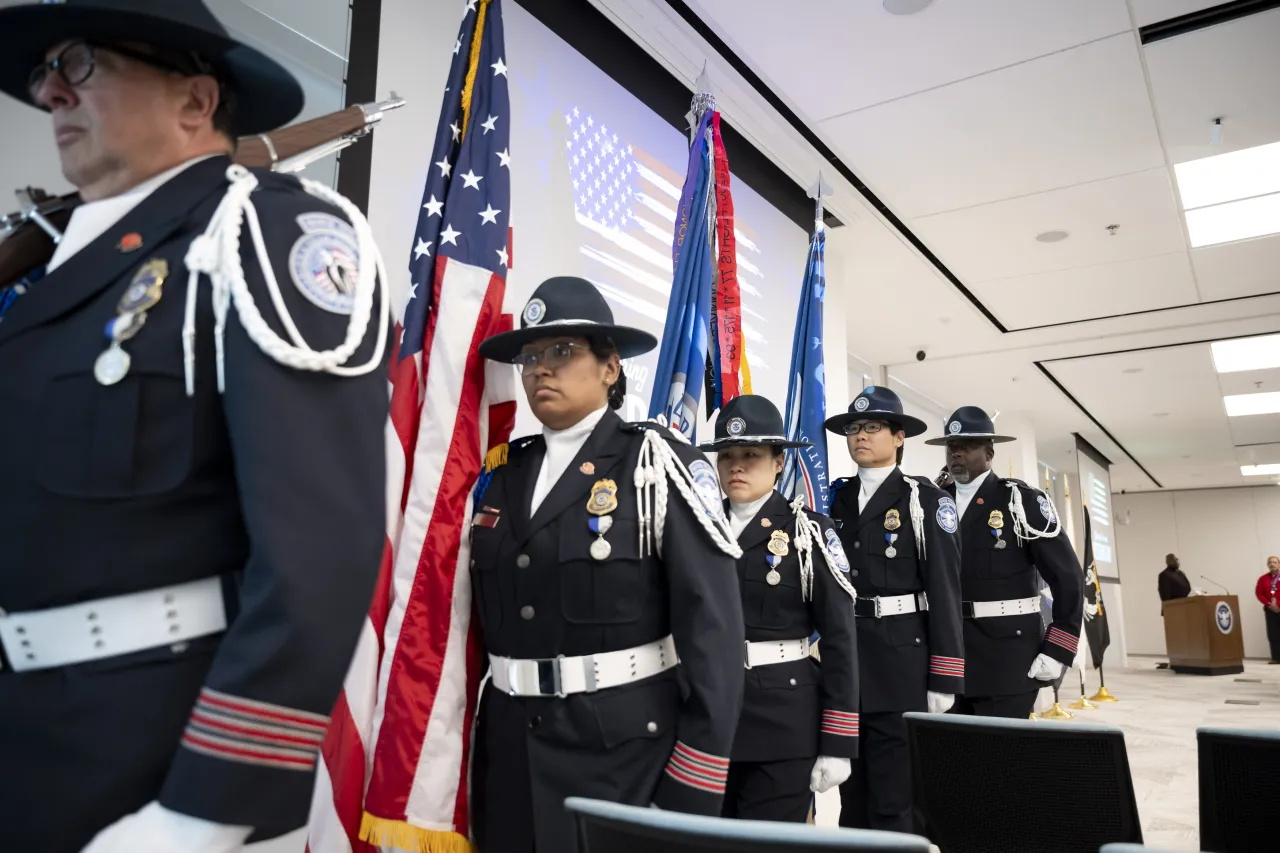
x=1265, y=591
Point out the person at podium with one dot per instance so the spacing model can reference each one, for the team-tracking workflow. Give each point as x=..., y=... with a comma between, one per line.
x=1172, y=583
x=1267, y=590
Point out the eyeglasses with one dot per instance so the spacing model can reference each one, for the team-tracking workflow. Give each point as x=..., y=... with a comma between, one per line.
x=870, y=428
x=553, y=357
x=76, y=62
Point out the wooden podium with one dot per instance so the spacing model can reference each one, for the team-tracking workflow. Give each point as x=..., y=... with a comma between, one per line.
x=1202, y=635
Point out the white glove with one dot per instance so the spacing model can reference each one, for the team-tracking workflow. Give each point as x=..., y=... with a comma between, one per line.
x=829, y=772
x=155, y=829
x=1045, y=668
x=940, y=703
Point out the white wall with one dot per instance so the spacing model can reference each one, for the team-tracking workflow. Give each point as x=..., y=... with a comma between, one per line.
x=1225, y=534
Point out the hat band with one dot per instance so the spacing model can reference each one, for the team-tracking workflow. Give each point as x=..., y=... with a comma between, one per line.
x=565, y=323
x=751, y=438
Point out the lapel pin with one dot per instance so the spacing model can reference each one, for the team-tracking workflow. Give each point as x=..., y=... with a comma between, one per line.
x=979, y=501
x=764, y=522
x=587, y=468
x=130, y=242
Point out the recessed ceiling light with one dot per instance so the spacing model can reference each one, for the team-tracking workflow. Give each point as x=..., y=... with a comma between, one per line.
x=1259, y=353
x=1052, y=236
x=1266, y=403
x=1233, y=196
x=1260, y=470
x=1132, y=370
x=905, y=7
x=1160, y=415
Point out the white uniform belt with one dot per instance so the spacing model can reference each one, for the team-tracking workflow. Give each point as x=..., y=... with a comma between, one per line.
x=1010, y=607
x=563, y=676
x=109, y=627
x=891, y=605
x=775, y=651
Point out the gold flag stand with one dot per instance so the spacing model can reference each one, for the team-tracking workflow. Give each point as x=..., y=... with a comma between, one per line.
x=1103, y=695
x=1082, y=704
x=1057, y=712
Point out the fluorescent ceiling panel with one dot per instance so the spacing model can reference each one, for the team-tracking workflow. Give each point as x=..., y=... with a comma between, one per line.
x=1260, y=470
x=1235, y=220
x=1265, y=403
x=1262, y=353
x=1229, y=177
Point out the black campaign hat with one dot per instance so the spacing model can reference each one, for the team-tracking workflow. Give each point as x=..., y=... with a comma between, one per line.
x=969, y=422
x=750, y=420
x=267, y=96
x=571, y=307
x=876, y=404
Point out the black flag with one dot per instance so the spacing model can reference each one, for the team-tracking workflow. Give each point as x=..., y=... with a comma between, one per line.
x=1095, y=615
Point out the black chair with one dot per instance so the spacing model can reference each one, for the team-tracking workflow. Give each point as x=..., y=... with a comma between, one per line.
x=612, y=828
x=1133, y=848
x=990, y=785
x=1239, y=782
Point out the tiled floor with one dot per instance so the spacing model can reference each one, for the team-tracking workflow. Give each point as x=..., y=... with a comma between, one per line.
x=1159, y=712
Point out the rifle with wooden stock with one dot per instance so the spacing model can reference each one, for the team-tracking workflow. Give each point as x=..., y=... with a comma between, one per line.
x=28, y=236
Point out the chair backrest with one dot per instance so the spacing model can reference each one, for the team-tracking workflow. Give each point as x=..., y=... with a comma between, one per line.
x=1133, y=848
x=988, y=784
x=612, y=828
x=1239, y=772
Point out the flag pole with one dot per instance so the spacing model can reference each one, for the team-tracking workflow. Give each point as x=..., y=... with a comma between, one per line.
x=1057, y=712
x=1103, y=695
x=1082, y=704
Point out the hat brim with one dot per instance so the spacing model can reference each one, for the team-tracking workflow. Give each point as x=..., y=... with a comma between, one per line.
x=506, y=346
x=909, y=425
x=961, y=436
x=726, y=443
x=267, y=95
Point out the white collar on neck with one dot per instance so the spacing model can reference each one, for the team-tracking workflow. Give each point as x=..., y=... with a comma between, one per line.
x=972, y=486
x=582, y=427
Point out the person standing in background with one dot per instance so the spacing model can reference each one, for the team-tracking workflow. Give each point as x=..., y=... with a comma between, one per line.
x=1172, y=583
x=1267, y=589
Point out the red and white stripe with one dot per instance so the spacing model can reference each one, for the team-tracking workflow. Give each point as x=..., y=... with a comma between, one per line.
x=1062, y=639
x=252, y=732
x=940, y=665
x=839, y=723
x=698, y=769
x=399, y=746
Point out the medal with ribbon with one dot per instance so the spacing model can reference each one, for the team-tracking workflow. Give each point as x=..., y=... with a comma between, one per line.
x=144, y=292
x=996, y=522
x=602, y=502
x=892, y=521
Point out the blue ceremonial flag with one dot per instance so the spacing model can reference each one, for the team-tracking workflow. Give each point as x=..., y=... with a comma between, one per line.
x=805, y=470
x=682, y=360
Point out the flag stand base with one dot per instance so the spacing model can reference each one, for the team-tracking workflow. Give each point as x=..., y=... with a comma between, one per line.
x=1034, y=716
x=1057, y=712
x=1103, y=696
x=1082, y=704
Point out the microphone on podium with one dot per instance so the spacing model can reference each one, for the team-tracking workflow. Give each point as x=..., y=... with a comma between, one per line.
x=1215, y=583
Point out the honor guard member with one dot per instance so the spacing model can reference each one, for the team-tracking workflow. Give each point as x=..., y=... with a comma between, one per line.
x=799, y=725
x=192, y=510
x=600, y=554
x=1009, y=531
x=900, y=535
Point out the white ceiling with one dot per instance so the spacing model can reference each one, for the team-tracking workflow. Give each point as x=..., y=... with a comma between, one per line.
x=983, y=123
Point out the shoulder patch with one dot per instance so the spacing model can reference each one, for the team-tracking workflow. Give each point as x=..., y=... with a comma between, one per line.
x=1046, y=507
x=836, y=550
x=707, y=486
x=324, y=262
x=839, y=484
x=947, y=516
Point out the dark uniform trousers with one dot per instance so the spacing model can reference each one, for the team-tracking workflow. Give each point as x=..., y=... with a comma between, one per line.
x=276, y=486
x=540, y=594
x=792, y=712
x=999, y=650
x=900, y=658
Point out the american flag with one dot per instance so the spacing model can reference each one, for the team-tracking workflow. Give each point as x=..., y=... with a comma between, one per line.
x=394, y=764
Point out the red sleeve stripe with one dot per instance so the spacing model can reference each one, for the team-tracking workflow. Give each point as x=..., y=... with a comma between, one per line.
x=264, y=756
x=939, y=665
x=698, y=769
x=231, y=728
x=840, y=723
x=262, y=712
x=1061, y=638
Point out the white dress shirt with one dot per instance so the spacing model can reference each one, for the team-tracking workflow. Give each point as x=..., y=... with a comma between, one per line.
x=562, y=446
x=869, y=480
x=91, y=220
x=740, y=515
x=966, y=491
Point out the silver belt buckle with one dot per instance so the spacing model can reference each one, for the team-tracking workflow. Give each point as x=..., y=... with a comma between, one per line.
x=746, y=653
x=877, y=601
x=543, y=676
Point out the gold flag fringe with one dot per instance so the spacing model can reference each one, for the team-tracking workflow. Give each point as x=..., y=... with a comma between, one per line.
x=415, y=839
